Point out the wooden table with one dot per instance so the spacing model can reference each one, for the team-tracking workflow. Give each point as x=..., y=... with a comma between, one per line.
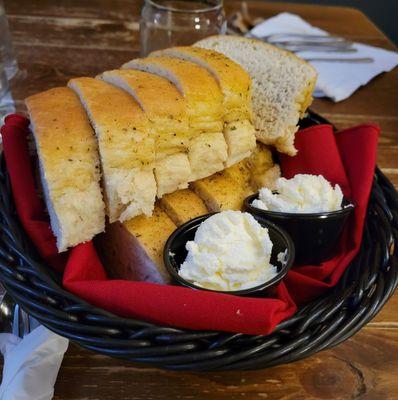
x=59, y=39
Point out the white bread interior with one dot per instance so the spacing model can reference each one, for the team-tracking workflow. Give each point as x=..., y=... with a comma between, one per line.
x=165, y=108
x=126, y=147
x=282, y=86
x=207, y=150
x=69, y=166
x=235, y=85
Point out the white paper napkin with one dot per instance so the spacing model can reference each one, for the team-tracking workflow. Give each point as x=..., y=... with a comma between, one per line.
x=31, y=364
x=336, y=80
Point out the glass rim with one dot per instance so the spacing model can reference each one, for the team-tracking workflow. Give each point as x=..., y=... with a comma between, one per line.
x=215, y=7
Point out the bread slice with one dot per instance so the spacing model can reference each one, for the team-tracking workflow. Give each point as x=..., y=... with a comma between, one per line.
x=165, y=108
x=183, y=205
x=134, y=249
x=126, y=147
x=282, y=86
x=207, y=150
x=227, y=190
x=267, y=179
x=235, y=85
x=263, y=171
x=222, y=191
x=240, y=172
x=69, y=166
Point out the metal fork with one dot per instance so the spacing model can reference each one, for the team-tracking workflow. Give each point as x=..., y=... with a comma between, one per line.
x=356, y=60
x=21, y=323
x=12, y=318
x=315, y=42
x=306, y=37
x=296, y=42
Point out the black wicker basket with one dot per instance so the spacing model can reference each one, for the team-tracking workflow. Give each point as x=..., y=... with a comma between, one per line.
x=362, y=291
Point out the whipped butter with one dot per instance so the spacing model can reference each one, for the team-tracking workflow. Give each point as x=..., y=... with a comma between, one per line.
x=301, y=194
x=231, y=251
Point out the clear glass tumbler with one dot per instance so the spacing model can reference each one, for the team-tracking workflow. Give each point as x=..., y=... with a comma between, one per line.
x=7, y=57
x=166, y=23
x=3, y=82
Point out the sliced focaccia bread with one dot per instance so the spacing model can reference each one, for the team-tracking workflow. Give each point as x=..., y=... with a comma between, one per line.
x=69, y=166
x=165, y=108
x=267, y=179
x=126, y=147
x=207, y=149
x=282, y=86
x=227, y=190
x=263, y=171
x=134, y=249
x=222, y=191
x=235, y=85
x=240, y=172
x=183, y=205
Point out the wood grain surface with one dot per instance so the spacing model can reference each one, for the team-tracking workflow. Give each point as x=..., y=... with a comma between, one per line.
x=59, y=39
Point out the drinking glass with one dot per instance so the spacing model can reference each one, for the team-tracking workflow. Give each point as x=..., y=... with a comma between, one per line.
x=6, y=104
x=7, y=58
x=3, y=82
x=167, y=23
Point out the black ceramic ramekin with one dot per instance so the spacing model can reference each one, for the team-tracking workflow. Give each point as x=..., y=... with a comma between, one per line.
x=315, y=235
x=174, y=255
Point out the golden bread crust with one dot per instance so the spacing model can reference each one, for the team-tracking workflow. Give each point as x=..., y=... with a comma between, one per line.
x=152, y=233
x=157, y=96
x=200, y=89
x=123, y=129
x=235, y=85
x=183, y=205
x=69, y=164
x=124, y=257
x=234, y=81
x=221, y=192
x=126, y=146
x=63, y=133
x=162, y=103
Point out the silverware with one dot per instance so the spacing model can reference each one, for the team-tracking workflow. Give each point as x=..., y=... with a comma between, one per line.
x=280, y=37
x=21, y=322
x=358, y=60
x=322, y=49
x=17, y=322
x=6, y=313
x=12, y=318
x=297, y=43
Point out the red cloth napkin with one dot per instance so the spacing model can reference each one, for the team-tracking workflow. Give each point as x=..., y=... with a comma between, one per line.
x=347, y=158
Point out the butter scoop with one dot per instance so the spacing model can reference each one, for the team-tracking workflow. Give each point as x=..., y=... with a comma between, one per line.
x=304, y=193
x=230, y=251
